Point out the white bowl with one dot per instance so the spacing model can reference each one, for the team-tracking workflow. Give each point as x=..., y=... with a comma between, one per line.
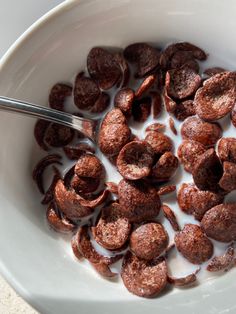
x=36, y=262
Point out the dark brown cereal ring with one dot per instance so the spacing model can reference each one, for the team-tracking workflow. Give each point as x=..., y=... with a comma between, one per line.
x=144, y=56
x=184, y=58
x=170, y=104
x=49, y=194
x=160, y=142
x=145, y=85
x=58, y=135
x=112, y=187
x=84, y=185
x=101, y=103
x=149, y=241
x=167, y=189
x=222, y=262
x=139, y=201
x=40, y=130
x=86, y=92
x=112, y=230
x=184, y=110
x=168, y=53
x=182, y=83
x=165, y=168
x=228, y=180
x=219, y=223
x=193, y=128
x=207, y=171
x=124, y=99
x=217, y=96
x=144, y=278
x=74, y=152
x=135, y=160
x=58, y=223
x=172, y=126
x=41, y=166
x=156, y=103
x=70, y=203
x=114, y=133
x=193, y=244
x=195, y=202
x=90, y=166
x=124, y=79
x=213, y=71
x=157, y=127
x=103, y=67
x=189, y=152
x=141, y=109
x=170, y=215
x=183, y=281
x=58, y=94
x=227, y=149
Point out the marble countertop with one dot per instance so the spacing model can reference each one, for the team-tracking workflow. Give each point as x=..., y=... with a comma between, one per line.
x=15, y=18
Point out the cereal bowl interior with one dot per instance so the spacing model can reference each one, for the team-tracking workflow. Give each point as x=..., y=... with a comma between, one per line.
x=35, y=260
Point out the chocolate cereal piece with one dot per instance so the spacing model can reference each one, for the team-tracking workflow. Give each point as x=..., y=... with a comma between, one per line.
x=193, y=128
x=112, y=230
x=144, y=278
x=167, y=189
x=233, y=116
x=124, y=79
x=160, y=142
x=172, y=126
x=189, y=152
x=184, y=58
x=171, y=217
x=184, y=110
x=222, y=262
x=156, y=103
x=49, y=194
x=193, y=244
x=217, y=96
x=207, y=171
x=165, y=167
x=157, y=127
x=76, y=151
x=58, y=223
x=40, y=168
x=145, y=85
x=193, y=201
x=182, y=83
x=103, y=67
x=228, y=180
x=213, y=71
x=86, y=92
x=114, y=133
x=103, y=270
x=89, y=165
x=58, y=95
x=124, y=99
x=149, y=241
x=141, y=109
x=183, y=281
x=227, y=149
x=170, y=104
x=84, y=185
x=75, y=248
x=101, y=103
x=58, y=135
x=40, y=130
x=144, y=56
x=135, y=160
x=219, y=223
x=112, y=187
x=139, y=201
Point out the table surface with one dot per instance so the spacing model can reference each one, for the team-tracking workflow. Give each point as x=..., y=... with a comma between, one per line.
x=15, y=18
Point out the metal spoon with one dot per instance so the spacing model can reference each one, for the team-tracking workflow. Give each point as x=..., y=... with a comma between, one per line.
x=85, y=126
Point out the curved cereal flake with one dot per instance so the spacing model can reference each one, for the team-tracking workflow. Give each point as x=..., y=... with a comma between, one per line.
x=145, y=85
x=93, y=203
x=101, y=103
x=183, y=281
x=123, y=100
x=156, y=103
x=58, y=223
x=58, y=95
x=165, y=168
x=167, y=189
x=207, y=171
x=172, y=126
x=104, y=270
x=228, y=180
x=103, y=67
x=157, y=127
x=160, y=142
x=112, y=187
x=182, y=83
x=141, y=109
x=170, y=104
x=184, y=58
x=227, y=149
x=41, y=166
x=184, y=110
x=76, y=151
x=217, y=96
x=135, y=160
x=144, y=278
x=149, y=240
x=58, y=135
x=144, y=56
x=222, y=262
x=75, y=247
x=112, y=230
x=49, y=194
x=90, y=166
x=213, y=71
x=40, y=130
x=171, y=217
x=84, y=185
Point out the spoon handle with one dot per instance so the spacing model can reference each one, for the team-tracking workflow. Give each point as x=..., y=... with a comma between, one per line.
x=85, y=126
